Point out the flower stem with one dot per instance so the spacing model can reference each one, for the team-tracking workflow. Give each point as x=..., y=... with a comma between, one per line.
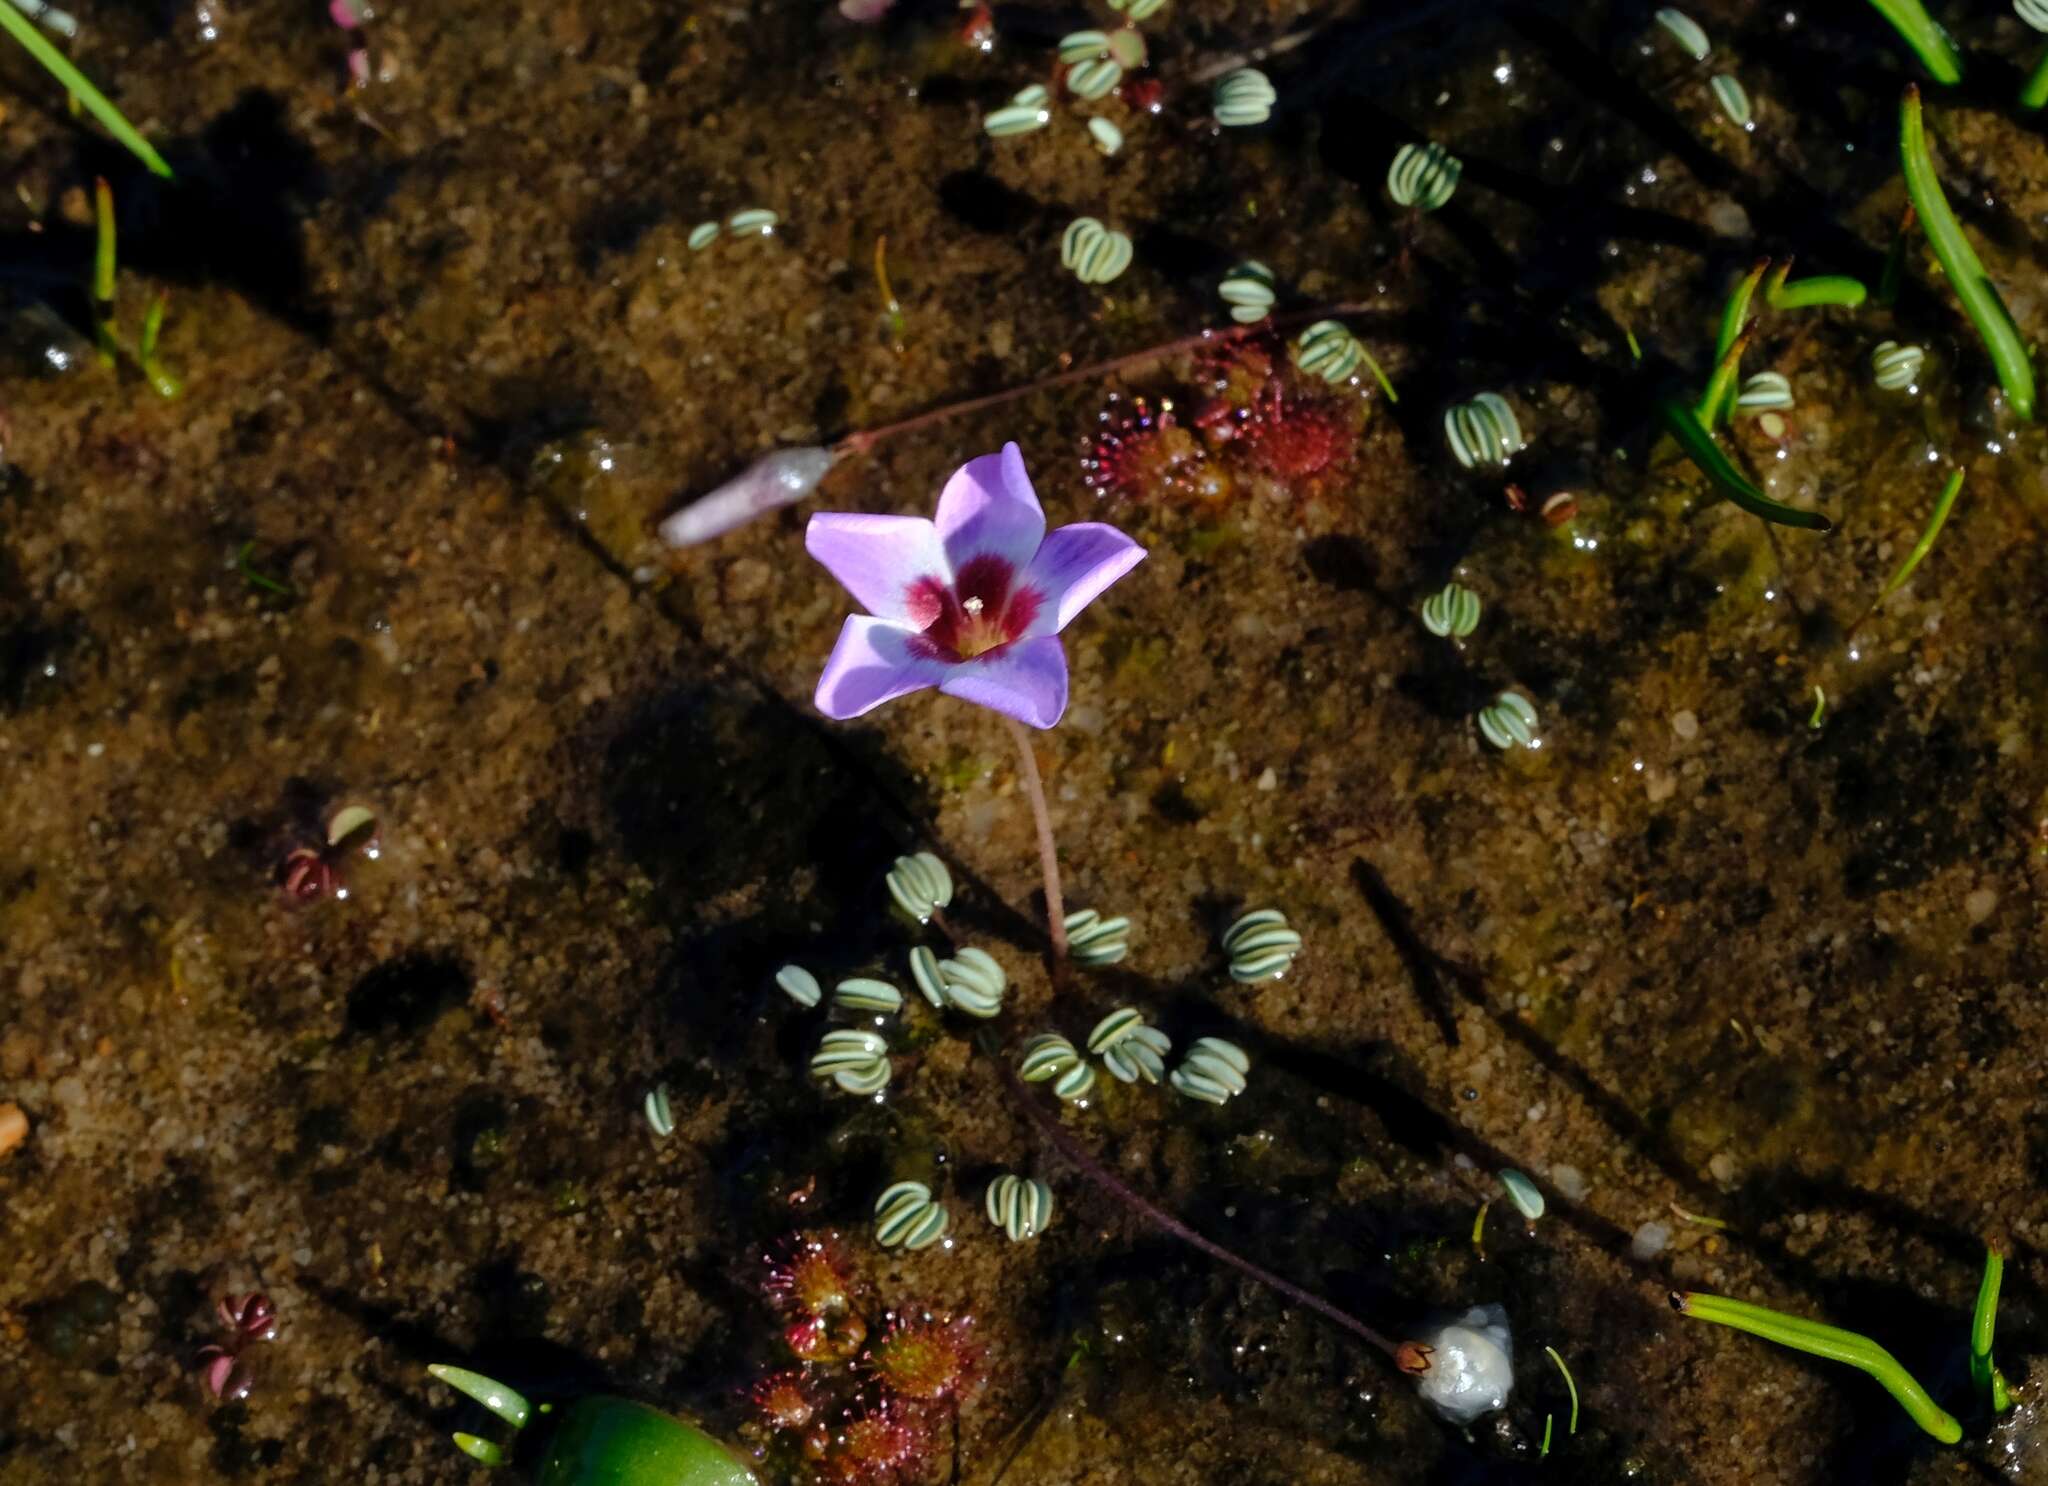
x=1092, y=1168
x=863, y=439
x=1048, y=854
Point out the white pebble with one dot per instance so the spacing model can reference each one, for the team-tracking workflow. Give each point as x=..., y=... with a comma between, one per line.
x=1686, y=724
x=1649, y=1240
x=1569, y=1182
x=1471, y=1365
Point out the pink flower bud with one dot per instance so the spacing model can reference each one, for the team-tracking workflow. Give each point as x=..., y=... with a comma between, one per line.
x=768, y=484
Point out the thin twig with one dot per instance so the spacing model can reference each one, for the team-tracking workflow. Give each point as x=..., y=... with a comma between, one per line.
x=1092, y=1168
x=1048, y=853
x=861, y=440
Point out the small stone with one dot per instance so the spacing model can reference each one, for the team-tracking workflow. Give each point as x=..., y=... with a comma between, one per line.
x=1981, y=904
x=13, y=1128
x=1722, y=1168
x=1269, y=781
x=1570, y=1182
x=1728, y=218
x=1649, y=1240
x=1686, y=724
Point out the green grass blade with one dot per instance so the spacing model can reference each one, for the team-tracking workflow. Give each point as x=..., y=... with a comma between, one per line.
x=1983, y=1322
x=1828, y=288
x=1895, y=259
x=23, y=30
x=1831, y=1342
x=1923, y=33
x=1734, y=315
x=1700, y=447
x=2034, y=91
x=1571, y=1387
x=1719, y=398
x=1959, y=261
x=103, y=249
x=1926, y=543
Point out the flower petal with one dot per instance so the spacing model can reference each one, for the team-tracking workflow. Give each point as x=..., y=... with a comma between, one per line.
x=1027, y=681
x=882, y=561
x=872, y=664
x=989, y=508
x=1072, y=568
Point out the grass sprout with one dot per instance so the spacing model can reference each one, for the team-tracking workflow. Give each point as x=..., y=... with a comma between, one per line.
x=1923, y=33
x=96, y=103
x=1699, y=446
x=1570, y=1385
x=1821, y=289
x=1831, y=1342
x=1959, y=261
x=1734, y=318
x=1983, y=1322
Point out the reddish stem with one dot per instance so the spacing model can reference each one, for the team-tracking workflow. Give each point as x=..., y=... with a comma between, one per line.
x=863, y=439
x=1090, y=1167
x=1048, y=854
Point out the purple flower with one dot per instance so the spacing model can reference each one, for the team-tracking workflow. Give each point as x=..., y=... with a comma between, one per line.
x=972, y=603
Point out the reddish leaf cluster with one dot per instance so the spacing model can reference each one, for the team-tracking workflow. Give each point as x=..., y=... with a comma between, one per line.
x=848, y=1413
x=1255, y=423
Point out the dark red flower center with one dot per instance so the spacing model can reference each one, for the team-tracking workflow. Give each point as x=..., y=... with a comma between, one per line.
x=984, y=609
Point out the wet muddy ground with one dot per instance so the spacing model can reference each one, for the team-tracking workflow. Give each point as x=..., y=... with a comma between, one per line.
x=448, y=356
